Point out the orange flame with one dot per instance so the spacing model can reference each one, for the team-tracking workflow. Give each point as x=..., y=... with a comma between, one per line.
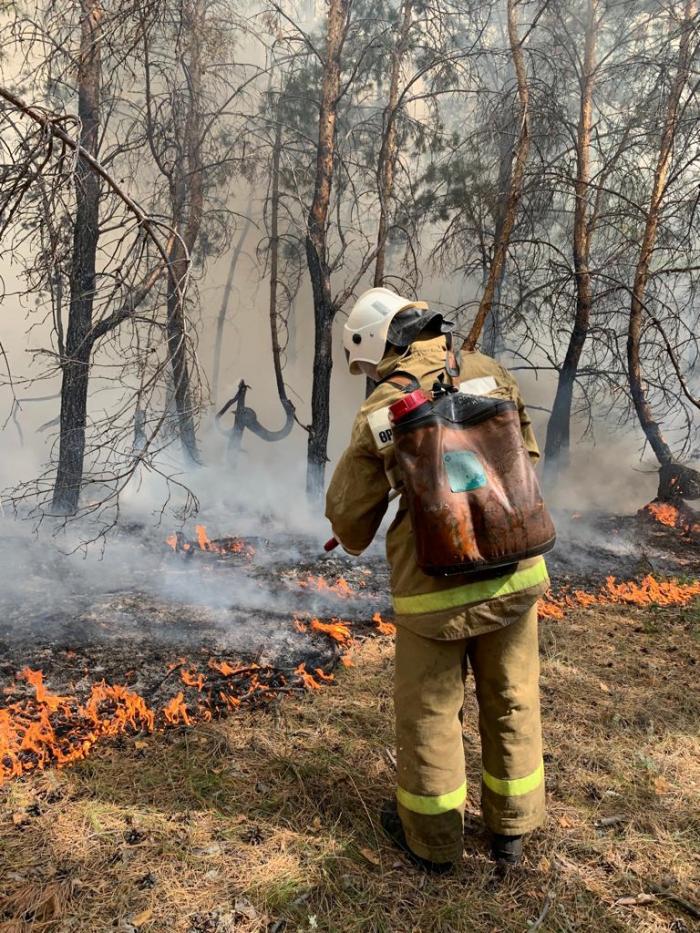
x=29, y=738
x=46, y=728
x=192, y=679
x=306, y=678
x=202, y=537
x=223, y=667
x=204, y=543
x=384, y=628
x=175, y=711
x=336, y=630
x=664, y=513
x=41, y=694
x=341, y=587
x=548, y=609
x=127, y=710
x=649, y=592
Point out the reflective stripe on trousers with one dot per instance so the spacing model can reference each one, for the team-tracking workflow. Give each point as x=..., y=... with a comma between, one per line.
x=516, y=787
x=432, y=806
x=441, y=803
x=428, y=700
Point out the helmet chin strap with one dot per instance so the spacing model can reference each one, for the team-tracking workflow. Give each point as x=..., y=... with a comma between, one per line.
x=369, y=370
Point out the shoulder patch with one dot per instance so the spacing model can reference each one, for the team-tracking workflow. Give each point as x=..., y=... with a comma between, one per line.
x=380, y=427
x=479, y=386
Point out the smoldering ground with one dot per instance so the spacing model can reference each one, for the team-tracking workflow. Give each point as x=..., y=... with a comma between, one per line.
x=120, y=594
x=131, y=601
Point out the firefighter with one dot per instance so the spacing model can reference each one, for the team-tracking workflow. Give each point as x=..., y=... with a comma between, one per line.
x=448, y=624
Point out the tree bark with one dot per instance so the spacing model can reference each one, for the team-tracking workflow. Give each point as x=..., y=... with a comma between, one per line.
x=388, y=153
x=508, y=138
x=515, y=192
x=317, y=250
x=225, y=300
x=75, y=364
x=187, y=195
x=386, y=165
x=177, y=350
x=274, y=264
x=650, y=426
x=558, y=429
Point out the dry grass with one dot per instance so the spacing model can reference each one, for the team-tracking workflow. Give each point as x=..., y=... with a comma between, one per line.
x=267, y=821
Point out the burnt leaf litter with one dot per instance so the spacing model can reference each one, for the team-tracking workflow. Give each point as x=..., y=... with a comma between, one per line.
x=204, y=659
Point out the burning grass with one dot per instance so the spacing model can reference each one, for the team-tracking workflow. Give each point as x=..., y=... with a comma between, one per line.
x=339, y=587
x=267, y=820
x=48, y=729
x=649, y=592
x=222, y=546
x=673, y=516
x=41, y=728
x=190, y=821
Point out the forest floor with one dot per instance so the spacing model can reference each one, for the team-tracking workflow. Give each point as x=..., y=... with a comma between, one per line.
x=267, y=820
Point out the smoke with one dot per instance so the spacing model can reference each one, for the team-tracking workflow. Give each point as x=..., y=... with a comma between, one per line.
x=266, y=483
x=604, y=478
x=53, y=569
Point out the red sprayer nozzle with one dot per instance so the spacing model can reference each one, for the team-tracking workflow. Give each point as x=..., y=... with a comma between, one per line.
x=406, y=404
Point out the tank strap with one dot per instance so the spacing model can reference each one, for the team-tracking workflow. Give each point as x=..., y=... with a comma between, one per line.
x=452, y=360
x=408, y=382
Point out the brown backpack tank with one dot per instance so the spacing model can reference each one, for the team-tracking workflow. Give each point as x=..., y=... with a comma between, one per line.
x=472, y=493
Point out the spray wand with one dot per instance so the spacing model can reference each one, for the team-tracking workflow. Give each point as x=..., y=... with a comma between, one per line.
x=333, y=543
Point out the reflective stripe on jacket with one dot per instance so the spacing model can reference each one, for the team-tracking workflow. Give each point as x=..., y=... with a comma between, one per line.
x=358, y=497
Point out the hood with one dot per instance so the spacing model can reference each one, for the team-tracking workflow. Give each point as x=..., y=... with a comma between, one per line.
x=422, y=352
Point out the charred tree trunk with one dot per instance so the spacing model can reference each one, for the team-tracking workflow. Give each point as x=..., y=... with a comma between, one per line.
x=678, y=482
x=187, y=195
x=642, y=406
x=75, y=363
x=515, y=192
x=177, y=350
x=508, y=139
x=388, y=154
x=386, y=166
x=236, y=437
x=317, y=250
x=245, y=418
x=558, y=429
x=274, y=267
x=221, y=319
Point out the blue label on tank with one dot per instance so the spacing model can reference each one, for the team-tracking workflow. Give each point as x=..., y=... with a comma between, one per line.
x=464, y=470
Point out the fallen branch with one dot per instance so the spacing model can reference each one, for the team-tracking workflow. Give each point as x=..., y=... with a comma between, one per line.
x=662, y=890
x=607, y=821
x=543, y=913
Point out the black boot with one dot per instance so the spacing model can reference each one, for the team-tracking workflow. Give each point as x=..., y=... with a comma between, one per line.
x=392, y=826
x=507, y=850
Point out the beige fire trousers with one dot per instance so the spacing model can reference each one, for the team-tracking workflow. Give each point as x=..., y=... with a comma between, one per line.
x=428, y=698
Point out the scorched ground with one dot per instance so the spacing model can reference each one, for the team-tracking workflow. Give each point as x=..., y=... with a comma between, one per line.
x=258, y=819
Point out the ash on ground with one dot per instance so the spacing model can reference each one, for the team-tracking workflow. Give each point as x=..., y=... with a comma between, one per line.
x=126, y=616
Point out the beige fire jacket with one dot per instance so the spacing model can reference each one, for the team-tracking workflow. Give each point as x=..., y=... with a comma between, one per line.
x=358, y=496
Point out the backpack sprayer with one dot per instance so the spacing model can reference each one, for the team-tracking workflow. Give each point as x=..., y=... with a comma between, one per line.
x=471, y=490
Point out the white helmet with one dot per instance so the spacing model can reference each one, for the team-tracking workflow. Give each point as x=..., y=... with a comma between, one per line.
x=367, y=327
